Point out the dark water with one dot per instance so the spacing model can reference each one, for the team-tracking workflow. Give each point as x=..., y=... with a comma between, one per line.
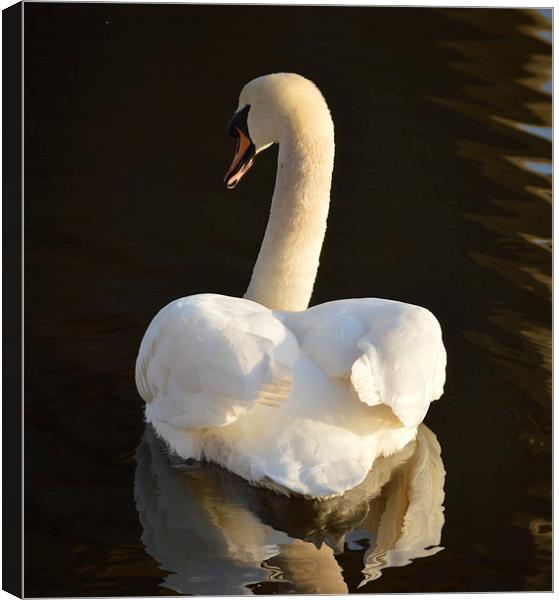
x=441, y=197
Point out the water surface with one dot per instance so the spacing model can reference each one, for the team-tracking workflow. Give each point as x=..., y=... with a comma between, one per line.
x=441, y=197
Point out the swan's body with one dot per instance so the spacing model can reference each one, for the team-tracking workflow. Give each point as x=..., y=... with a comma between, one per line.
x=301, y=400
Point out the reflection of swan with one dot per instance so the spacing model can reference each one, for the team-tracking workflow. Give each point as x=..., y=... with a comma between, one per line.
x=216, y=534
x=302, y=400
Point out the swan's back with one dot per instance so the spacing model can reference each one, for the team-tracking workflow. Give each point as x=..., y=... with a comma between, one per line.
x=303, y=402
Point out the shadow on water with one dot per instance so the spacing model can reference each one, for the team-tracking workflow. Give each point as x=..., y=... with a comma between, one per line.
x=212, y=531
x=441, y=197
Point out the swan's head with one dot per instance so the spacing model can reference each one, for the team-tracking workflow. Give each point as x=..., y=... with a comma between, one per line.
x=271, y=107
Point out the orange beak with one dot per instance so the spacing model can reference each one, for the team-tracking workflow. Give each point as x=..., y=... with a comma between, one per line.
x=242, y=161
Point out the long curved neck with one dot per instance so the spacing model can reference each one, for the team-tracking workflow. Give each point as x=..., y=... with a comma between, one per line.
x=285, y=271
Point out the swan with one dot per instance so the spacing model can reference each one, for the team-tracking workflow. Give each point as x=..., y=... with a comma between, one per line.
x=300, y=400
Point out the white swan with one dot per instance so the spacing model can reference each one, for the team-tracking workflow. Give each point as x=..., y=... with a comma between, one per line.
x=298, y=399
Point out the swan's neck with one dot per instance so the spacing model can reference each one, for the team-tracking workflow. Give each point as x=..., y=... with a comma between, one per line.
x=285, y=271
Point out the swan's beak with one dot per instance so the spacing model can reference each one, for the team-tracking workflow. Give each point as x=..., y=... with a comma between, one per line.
x=242, y=161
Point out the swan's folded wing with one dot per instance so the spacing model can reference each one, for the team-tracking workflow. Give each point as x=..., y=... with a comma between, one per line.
x=206, y=360
x=391, y=352
x=402, y=363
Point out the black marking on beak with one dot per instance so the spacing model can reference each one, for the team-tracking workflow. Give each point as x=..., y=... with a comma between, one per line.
x=239, y=121
x=244, y=154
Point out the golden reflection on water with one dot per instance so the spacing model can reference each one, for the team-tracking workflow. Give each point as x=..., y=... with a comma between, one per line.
x=541, y=533
x=518, y=208
x=201, y=523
